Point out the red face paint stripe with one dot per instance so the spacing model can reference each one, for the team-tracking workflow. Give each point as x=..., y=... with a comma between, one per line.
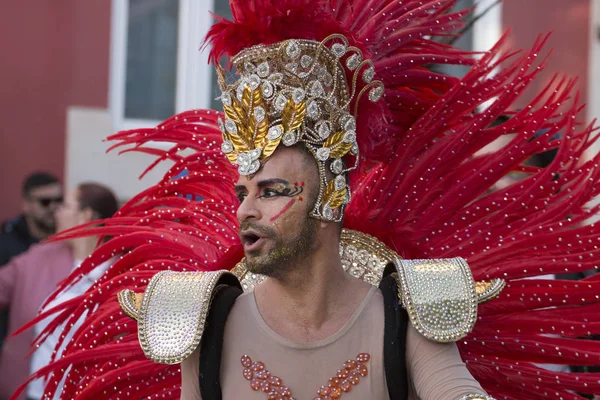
x=283, y=210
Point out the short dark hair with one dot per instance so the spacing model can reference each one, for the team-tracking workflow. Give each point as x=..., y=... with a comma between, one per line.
x=98, y=198
x=36, y=180
x=310, y=159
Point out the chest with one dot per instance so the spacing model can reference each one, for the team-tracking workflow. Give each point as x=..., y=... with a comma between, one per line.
x=258, y=366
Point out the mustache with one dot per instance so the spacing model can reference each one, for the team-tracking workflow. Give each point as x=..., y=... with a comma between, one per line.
x=262, y=230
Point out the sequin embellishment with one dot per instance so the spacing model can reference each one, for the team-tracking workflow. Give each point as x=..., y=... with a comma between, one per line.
x=346, y=377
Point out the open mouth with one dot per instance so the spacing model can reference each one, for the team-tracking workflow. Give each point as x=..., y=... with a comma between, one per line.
x=250, y=238
x=251, y=241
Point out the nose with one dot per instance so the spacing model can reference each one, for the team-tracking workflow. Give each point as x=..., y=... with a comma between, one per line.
x=56, y=212
x=248, y=210
x=54, y=207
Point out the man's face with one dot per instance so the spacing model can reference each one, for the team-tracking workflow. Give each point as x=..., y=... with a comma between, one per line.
x=275, y=228
x=41, y=204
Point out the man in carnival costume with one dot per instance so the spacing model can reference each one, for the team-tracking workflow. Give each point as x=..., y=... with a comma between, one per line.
x=325, y=259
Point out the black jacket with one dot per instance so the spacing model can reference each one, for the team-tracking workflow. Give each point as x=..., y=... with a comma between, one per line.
x=14, y=240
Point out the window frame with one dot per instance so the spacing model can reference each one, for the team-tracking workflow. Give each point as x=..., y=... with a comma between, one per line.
x=487, y=30
x=193, y=71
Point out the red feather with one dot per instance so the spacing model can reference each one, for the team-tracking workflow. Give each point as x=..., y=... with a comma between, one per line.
x=426, y=191
x=393, y=34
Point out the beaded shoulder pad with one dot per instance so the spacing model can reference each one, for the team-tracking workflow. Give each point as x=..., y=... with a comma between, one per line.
x=171, y=313
x=440, y=296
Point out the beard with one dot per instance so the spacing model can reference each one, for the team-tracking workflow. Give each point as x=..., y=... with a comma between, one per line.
x=285, y=254
x=45, y=224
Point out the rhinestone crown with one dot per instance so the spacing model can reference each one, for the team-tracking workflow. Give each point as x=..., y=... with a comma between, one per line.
x=297, y=91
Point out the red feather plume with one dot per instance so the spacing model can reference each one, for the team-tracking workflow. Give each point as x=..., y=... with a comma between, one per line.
x=428, y=193
x=390, y=33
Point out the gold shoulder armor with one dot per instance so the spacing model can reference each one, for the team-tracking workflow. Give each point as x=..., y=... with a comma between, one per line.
x=173, y=302
x=441, y=297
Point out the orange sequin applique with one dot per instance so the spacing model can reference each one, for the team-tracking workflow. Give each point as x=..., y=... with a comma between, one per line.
x=343, y=381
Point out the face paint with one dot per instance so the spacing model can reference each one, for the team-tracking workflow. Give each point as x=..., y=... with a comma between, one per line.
x=270, y=188
x=287, y=191
x=301, y=187
x=276, y=212
x=283, y=210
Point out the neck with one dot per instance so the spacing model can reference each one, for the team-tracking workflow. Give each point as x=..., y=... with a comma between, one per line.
x=35, y=230
x=313, y=300
x=83, y=247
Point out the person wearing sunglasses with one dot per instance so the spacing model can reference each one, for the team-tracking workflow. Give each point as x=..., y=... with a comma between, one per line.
x=28, y=280
x=42, y=194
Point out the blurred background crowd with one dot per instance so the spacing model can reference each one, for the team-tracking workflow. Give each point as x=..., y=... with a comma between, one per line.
x=74, y=72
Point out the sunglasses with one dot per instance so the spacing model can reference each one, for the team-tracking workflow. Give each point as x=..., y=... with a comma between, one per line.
x=46, y=201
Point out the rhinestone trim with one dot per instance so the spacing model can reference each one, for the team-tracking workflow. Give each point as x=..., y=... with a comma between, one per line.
x=175, y=302
x=487, y=291
x=130, y=302
x=362, y=255
x=439, y=296
x=261, y=379
x=303, y=87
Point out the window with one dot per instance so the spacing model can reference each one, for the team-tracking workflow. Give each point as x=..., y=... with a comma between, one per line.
x=151, y=60
x=464, y=42
x=222, y=9
x=480, y=35
x=157, y=69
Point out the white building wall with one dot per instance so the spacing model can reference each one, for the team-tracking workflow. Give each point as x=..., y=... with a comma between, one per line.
x=86, y=158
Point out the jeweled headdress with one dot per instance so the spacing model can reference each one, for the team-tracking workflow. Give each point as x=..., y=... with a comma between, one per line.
x=421, y=193
x=298, y=91
x=306, y=69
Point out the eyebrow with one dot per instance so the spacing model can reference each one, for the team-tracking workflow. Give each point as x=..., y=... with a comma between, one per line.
x=271, y=182
x=262, y=184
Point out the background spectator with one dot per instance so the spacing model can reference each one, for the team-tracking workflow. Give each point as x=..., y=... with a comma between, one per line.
x=30, y=277
x=42, y=193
